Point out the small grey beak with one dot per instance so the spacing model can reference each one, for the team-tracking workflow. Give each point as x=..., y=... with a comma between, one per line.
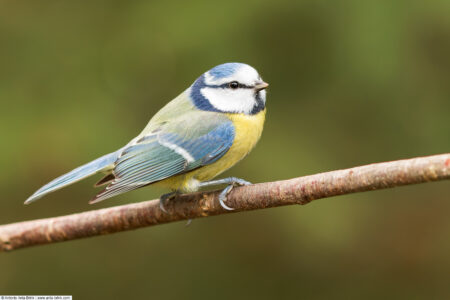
x=261, y=85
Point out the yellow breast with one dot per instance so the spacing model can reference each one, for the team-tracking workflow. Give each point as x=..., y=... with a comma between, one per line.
x=248, y=129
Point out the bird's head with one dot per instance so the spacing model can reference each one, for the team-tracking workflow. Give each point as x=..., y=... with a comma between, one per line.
x=230, y=88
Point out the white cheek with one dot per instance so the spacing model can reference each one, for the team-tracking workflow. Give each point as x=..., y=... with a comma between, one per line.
x=226, y=100
x=263, y=95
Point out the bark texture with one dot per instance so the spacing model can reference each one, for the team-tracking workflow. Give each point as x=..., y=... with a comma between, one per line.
x=301, y=190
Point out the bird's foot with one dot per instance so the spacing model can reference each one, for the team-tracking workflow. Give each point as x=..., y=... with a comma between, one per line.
x=232, y=182
x=165, y=198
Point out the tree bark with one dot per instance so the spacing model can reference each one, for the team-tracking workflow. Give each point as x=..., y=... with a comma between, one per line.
x=301, y=190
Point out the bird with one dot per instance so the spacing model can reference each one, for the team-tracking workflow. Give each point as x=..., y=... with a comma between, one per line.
x=204, y=131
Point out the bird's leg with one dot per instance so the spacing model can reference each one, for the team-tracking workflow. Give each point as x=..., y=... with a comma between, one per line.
x=164, y=198
x=232, y=182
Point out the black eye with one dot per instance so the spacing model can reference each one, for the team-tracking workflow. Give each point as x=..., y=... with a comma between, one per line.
x=233, y=85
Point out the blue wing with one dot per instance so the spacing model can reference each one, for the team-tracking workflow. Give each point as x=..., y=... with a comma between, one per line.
x=169, y=152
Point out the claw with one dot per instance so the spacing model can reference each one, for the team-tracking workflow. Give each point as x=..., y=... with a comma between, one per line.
x=164, y=198
x=223, y=197
x=161, y=206
x=232, y=182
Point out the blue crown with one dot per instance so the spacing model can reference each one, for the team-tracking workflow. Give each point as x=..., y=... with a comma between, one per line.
x=224, y=70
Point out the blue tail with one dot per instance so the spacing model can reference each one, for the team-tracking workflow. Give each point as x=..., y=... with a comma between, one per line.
x=100, y=164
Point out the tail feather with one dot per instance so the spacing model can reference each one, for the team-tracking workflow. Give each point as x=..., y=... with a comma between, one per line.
x=100, y=164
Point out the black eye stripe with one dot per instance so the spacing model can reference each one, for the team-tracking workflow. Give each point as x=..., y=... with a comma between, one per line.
x=245, y=86
x=227, y=85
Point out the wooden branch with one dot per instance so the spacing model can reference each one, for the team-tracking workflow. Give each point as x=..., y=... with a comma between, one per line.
x=300, y=190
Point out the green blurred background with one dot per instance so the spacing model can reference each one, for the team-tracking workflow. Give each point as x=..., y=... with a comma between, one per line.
x=351, y=82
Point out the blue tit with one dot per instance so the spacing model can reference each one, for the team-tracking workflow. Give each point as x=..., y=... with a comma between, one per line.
x=198, y=135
